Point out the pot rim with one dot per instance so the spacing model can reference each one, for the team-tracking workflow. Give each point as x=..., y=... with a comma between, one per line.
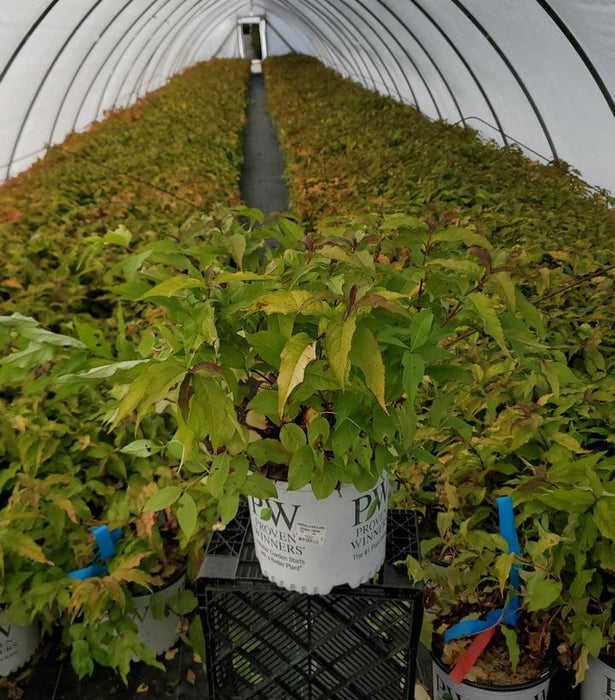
x=546, y=675
x=308, y=486
x=168, y=582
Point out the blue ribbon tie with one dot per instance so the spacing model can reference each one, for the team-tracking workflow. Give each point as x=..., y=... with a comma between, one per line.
x=509, y=615
x=105, y=540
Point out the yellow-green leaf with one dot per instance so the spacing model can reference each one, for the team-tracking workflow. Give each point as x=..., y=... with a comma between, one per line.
x=507, y=288
x=187, y=515
x=503, y=564
x=163, y=498
x=541, y=592
x=365, y=354
x=298, y=352
x=281, y=302
x=172, y=285
x=24, y=545
x=491, y=323
x=338, y=342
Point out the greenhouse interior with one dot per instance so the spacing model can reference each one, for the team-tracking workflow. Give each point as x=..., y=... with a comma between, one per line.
x=307, y=349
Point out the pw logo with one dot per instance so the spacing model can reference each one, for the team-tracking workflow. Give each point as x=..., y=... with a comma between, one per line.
x=5, y=631
x=279, y=511
x=366, y=505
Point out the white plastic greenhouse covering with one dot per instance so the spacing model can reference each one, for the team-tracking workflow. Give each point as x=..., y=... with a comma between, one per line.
x=536, y=72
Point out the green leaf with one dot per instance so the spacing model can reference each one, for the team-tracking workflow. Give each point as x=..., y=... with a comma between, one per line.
x=211, y=410
x=513, y=646
x=323, y=483
x=338, y=342
x=81, y=658
x=172, y=285
x=185, y=602
x=507, y=288
x=291, y=230
x=318, y=431
x=266, y=514
x=503, y=564
x=120, y=236
x=149, y=387
x=592, y=639
x=343, y=437
x=461, y=235
x=228, y=506
x=163, y=498
x=300, y=468
x=414, y=371
x=187, y=515
x=491, y=323
x=365, y=354
x=218, y=474
x=259, y=486
x=604, y=517
x=292, y=437
x=141, y=448
x=237, y=244
x=267, y=450
x=420, y=329
x=541, y=592
x=104, y=371
x=298, y=352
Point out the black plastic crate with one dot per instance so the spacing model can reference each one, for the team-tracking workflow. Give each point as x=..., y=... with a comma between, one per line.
x=263, y=641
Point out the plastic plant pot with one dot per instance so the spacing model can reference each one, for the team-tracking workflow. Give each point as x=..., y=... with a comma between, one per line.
x=447, y=689
x=599, y=680
x=17, y=644
x=310, y=545
x=160, y=634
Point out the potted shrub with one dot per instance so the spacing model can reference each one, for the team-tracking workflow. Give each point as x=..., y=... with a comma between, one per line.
x=63, y=478
x=301, y=361
x=495, y=624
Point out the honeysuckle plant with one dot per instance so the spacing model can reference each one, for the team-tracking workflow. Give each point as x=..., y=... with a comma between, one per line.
x=315, y=356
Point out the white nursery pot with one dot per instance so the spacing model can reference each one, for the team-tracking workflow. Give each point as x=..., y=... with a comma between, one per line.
x=17, y=644
x=310, y=545
x=599, y=681
x=446, y=689
x=160, y=635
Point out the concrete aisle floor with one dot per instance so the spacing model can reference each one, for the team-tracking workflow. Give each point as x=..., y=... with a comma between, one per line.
x=262, y=177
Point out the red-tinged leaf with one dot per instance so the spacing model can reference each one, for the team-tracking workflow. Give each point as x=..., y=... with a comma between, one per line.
x=191, y=676
x=134, y=576
x=482, y=254
x=25, y=546
x=375, y=300
x=143, y=688
x=185, y=394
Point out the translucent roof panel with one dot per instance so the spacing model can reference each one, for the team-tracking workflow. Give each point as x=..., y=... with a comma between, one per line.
x=540, y=73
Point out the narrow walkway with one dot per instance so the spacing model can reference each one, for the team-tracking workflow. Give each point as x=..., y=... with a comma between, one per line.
x=262, y=177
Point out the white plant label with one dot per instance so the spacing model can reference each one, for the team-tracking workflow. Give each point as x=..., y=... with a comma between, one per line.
x=311, y=534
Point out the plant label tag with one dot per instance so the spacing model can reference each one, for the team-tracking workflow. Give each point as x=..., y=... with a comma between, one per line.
x=311, y=534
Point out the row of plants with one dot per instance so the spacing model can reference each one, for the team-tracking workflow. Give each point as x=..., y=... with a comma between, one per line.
x=132, y=179
x=526, y=414
x=328, y=358
x=414, y=343
x=142, y=169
